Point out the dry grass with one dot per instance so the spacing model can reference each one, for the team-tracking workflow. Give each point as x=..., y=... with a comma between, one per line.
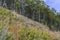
x=23, y=28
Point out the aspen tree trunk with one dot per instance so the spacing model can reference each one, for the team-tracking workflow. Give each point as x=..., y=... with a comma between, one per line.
x=39, y=15
x=19, y=7
x=23, y=5
x=14, y=5
x=33, y=15
x=44, y=18
x=0, y=2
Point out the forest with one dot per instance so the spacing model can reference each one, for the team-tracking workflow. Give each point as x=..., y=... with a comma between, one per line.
x=36, y=10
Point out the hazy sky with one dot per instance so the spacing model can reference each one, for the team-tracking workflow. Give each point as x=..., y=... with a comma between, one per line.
x=53, y=4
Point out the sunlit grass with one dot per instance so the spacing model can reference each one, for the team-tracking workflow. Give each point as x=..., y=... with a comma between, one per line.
x=18, y=31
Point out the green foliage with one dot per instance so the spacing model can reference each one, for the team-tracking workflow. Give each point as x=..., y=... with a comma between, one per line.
x=4, y=17
x=30, y=34
x=34, y=34
x=36, y=9
x=9, y=36
x=25, y=33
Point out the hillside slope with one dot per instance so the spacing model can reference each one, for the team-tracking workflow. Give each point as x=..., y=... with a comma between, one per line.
x=17, y=27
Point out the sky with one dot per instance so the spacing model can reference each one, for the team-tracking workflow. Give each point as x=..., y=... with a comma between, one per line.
x=53, y=4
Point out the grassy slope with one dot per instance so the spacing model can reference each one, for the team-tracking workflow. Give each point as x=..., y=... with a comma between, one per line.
x=14, y=27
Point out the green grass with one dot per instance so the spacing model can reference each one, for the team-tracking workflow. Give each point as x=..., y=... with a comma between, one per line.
x=17, y=31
